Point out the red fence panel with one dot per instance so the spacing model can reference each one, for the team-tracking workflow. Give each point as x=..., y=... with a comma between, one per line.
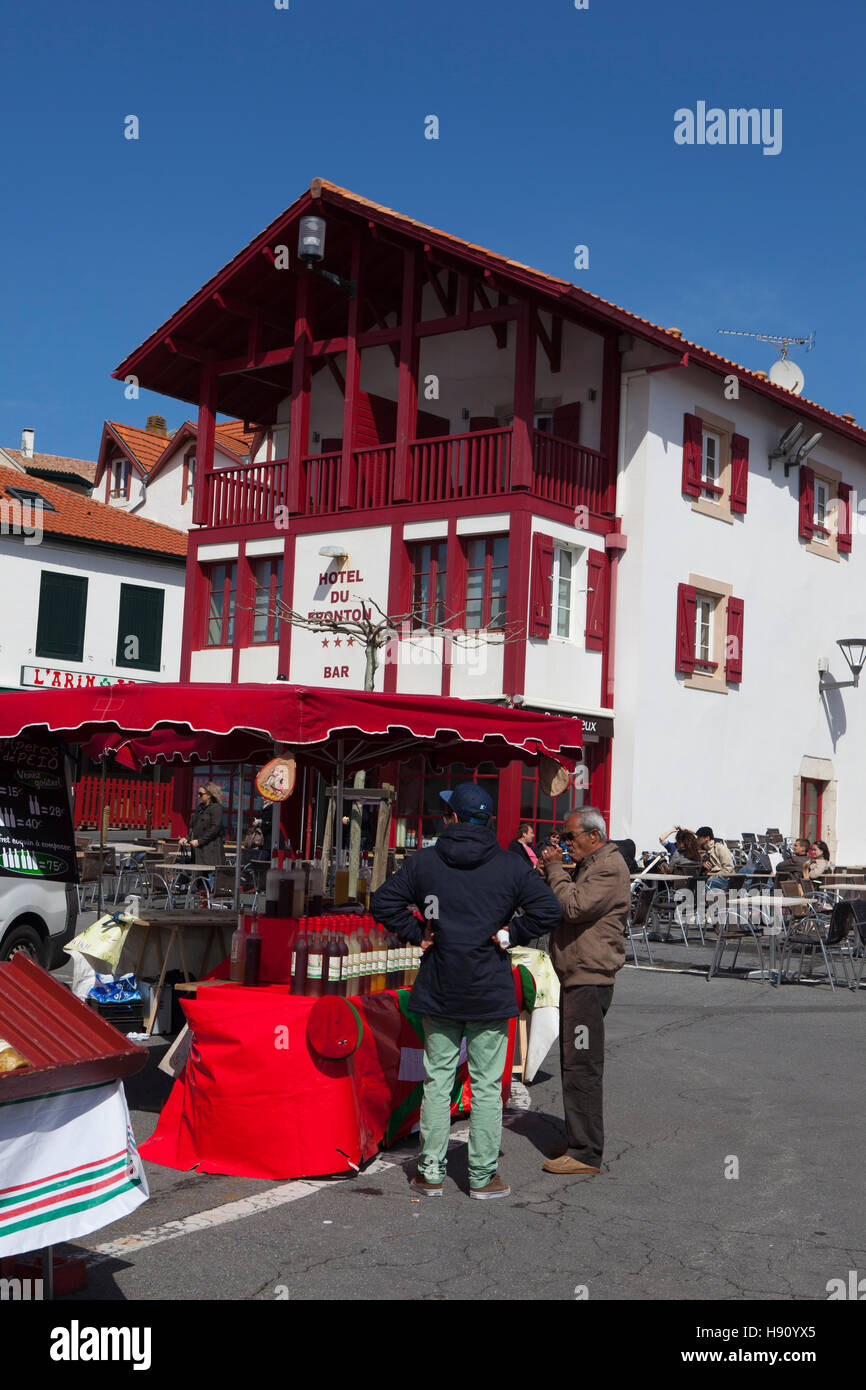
x=129, y=803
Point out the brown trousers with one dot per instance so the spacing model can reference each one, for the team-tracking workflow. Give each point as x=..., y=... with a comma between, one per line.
x=581, y=1053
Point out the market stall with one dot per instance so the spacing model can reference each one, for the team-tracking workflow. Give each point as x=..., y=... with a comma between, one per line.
x=326, y=1113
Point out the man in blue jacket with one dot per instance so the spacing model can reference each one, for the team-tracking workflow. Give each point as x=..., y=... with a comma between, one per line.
x=467, y=889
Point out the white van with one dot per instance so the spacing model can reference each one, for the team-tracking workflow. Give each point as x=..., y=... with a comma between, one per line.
x=37, y=917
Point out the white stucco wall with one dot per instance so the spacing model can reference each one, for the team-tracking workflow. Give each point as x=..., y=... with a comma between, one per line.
x=694, y=756
x=21, y=566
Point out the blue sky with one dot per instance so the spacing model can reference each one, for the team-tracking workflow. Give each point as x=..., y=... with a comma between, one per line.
x=556, y=128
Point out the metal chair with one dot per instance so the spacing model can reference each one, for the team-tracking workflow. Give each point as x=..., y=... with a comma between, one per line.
x=639, y=913
x=813, y=932
x=743, y=917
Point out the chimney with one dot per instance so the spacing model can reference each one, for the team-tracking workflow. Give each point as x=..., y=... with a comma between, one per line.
x=675, y=332
x=27, y=438
x=156, y=425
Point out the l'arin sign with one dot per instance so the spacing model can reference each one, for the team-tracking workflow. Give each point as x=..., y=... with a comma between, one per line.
x=46, y=677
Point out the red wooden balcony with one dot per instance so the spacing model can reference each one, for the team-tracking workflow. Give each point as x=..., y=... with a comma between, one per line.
x=452, y=468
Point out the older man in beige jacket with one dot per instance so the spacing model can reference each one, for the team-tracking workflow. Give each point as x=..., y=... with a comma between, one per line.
x=587, y=949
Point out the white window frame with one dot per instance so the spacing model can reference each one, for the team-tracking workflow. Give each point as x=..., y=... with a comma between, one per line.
x=706, y=476
x=575, y=552
x=705, y=603
x=822, y=487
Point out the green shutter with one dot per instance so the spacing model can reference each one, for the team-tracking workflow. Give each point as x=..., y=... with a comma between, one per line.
x=141, y=617
x=62, y=610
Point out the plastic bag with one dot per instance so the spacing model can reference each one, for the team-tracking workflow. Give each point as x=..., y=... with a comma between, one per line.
x=111, y=989
x=104, y=940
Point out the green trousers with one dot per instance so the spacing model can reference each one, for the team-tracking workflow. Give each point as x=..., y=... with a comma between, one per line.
x=486, y=1046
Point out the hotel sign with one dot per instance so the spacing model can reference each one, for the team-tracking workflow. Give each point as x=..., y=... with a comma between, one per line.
x=47, y=678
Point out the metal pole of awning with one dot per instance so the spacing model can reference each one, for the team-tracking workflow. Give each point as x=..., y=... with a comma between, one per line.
x=238, y=827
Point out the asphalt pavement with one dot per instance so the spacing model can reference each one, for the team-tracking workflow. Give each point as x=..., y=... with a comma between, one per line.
x=732, y=1171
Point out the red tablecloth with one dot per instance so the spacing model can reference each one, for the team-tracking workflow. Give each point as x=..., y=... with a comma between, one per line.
x=255, y=1100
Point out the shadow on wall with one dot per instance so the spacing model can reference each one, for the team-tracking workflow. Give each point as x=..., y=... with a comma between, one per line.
x=834, y=709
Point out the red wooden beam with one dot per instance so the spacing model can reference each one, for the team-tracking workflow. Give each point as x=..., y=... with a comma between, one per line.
x=336, y=374
x=407, y=381
x=433, y=279
x=246, y=309
x=352, y=384
x=204, y=444
x=552, y=342
x=183, y=348
x=524, y=396
x=299, y=426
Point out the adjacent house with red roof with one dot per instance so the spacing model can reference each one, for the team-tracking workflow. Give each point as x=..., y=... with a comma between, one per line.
x=92, y=596
x=76, y=474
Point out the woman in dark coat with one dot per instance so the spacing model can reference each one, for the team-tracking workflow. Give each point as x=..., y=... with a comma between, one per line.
x=206, y=833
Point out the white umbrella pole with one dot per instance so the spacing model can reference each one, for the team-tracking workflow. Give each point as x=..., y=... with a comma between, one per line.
x=338, y=815
x=101, y=835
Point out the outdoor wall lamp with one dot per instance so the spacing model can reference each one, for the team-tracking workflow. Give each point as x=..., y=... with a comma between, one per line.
x=785, y=445
x=311, y=250
x=335, y=552
x=854, y=652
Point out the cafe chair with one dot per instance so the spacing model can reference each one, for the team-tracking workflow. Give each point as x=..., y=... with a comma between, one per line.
x=638, y=920
x=812, y=933
x=739, y=925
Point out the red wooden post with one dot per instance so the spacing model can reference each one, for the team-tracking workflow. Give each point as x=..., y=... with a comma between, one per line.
x=524, y=397
x=610, y=385
x=353, y=381
x=299, y=427
x=517, y=602
x=204, y=446
x=407, y=381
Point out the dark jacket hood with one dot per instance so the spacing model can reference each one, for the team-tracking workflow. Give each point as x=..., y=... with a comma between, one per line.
x=464, y=846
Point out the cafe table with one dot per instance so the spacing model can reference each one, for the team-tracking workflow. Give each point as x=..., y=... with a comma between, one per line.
x=777, y=902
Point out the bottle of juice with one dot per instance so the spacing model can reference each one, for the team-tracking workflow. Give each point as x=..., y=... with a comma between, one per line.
x=314, y=965
x=275, y=876
x=353, y=962
x=341, y=887
x=367, y=961
x=362, y=891
x=381, y=976
x=252, y=956
x=236, y=972
x=299, y=964
x=331, y=963
x=298, y=879
x=316, y=890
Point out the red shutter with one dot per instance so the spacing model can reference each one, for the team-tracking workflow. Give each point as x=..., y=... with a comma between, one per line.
x=734, y=643
x=693, y=441
x=807, y=503
x=541, y=586
x=739, y=472
x=843, y=518
x=566, y=422
x=596, y=599
x=687, y=599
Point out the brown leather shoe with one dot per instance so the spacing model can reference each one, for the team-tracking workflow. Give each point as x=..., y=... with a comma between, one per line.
x=430, y=1189
x=566, y=1164
x=494, y=1188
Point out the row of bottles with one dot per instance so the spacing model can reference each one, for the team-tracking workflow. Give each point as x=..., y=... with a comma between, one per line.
x=331, y=955
x=294, y=887
x=340, y=957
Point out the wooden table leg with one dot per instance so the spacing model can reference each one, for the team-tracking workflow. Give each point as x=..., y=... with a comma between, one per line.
x=157, y=994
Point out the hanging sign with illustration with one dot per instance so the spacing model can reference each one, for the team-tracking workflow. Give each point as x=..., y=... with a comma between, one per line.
x=276, y=780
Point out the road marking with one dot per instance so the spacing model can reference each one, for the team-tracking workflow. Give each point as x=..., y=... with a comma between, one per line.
x=236, y=1211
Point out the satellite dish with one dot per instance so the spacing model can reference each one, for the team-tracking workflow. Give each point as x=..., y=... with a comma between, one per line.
x=788, y=375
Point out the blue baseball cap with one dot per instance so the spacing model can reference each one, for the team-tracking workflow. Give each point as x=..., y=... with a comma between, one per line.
x=469, y=802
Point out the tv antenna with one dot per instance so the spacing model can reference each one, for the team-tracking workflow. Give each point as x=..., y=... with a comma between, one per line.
x=784, y=373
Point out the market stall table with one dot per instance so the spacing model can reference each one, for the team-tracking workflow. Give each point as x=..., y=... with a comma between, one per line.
x=180, y=926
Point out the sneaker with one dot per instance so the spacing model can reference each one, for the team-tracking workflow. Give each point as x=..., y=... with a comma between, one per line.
x=494, y=1188
x=430, y=1189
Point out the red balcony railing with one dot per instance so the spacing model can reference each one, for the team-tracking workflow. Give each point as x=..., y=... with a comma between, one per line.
x=131, y=805
x=451, y=468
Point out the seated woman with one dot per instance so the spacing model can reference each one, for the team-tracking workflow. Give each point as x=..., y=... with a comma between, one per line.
x=818, y=862
x=684, y=854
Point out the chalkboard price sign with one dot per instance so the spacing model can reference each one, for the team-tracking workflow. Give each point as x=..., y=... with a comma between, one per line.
x=36, y=836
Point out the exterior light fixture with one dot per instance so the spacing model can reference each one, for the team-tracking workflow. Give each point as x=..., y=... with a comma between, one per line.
x=311, y=250
x=337, y=553
x=806, y=449
x=785, y=445
x=854, y=651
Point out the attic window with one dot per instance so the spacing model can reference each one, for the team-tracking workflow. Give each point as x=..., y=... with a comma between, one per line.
x=30, y=498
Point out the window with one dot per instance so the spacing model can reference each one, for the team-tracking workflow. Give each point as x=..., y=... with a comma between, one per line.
x=62, y=611
x=419, y=809
x=268, y=581
x=29, y=497
x=546, y=813
x=222, y=584
x=428, y=584
x=811, y=795
x=486, y=582
x=187, y=476
x=711, y=463
x=820, y=515
x=704, y=615
x=564, y=565
x=139, y=628
x=120, y=478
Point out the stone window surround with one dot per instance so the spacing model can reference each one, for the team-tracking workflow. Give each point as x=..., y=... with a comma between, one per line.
x=721, y=593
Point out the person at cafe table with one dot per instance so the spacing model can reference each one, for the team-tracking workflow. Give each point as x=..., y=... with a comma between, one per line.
x=206, y=832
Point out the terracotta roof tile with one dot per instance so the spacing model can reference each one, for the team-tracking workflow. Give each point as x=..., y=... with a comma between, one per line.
x=82, y=518
x=233, y=434
x=144, y=446
x=55, y=463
